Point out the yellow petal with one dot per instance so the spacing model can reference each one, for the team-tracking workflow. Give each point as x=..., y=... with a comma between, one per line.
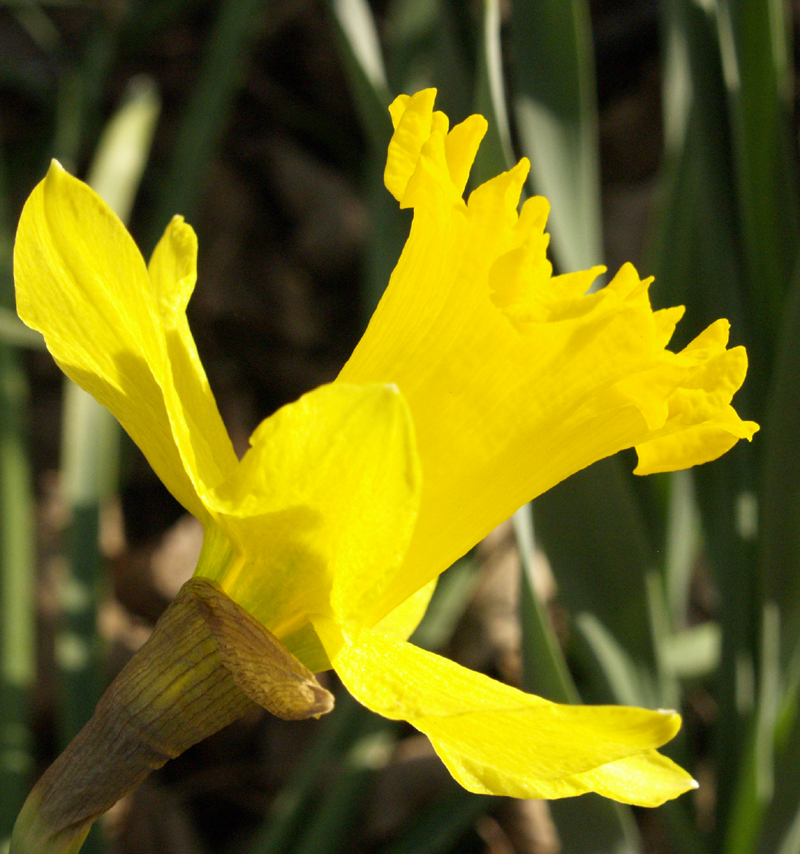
x=496, y=739
x=515, y=378
x=321, y=508
x=647, y=780
x=397, y=108
x=461, y=146
x=201, y=435
x=82, y=282
x=404, y=619
x=412, y=131
x=691, y=446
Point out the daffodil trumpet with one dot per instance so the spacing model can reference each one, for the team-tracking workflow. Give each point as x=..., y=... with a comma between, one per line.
x=481, y=381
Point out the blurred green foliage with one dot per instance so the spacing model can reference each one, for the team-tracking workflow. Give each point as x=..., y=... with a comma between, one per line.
x=628, y=555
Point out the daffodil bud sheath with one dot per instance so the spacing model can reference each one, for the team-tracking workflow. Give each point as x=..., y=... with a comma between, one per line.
x=206, y=664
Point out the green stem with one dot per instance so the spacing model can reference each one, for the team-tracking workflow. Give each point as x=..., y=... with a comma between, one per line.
x=17, y=560
x=17, y=627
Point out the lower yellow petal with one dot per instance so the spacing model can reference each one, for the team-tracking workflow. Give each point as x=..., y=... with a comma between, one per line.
x=496, y=739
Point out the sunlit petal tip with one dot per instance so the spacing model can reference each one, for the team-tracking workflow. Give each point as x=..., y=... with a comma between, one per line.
x=666, y=320
x=397, y=108
x=500, y=195
x=461, y=147
x=514, y=181
x=533, y=214
x=173, y=269
x=431, y=182
x=700, y=443
x=440, y=123
x=714, y=338
x=412, y=131
x=55, y=168
x=626, y=281
x=647, y=780
x=673, y=720
x=60, y=188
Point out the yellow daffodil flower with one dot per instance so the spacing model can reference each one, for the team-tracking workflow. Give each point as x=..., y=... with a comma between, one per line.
x=481, y=381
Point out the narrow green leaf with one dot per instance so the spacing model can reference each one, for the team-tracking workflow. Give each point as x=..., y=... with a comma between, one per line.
x=495, y=154
x=591, y=823
x=17, y=580
x=756, y=778
x=790, y=844
x=694, y=253
x=780, y=566
x=697, y=260
x=630, y=684
x=363, y=62
x=682, y=546
x=359, y=48
x=754, y=42
x=124, y=147
x=780, y=487
x=453, y=593
x=431, y=43
x=17, y=554
x=594, y=534
x=693, y=653
x=774, y=829
x=555, y=107
x=544, y=669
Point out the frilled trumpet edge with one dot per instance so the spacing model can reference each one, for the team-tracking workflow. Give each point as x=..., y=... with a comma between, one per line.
x=207, y=663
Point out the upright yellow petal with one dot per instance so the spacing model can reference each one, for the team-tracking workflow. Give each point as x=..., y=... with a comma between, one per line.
x=196, y=423
x=321, y=509
x=81, y=281
x=515, y=378
x=123, y=337
x=497, y=740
